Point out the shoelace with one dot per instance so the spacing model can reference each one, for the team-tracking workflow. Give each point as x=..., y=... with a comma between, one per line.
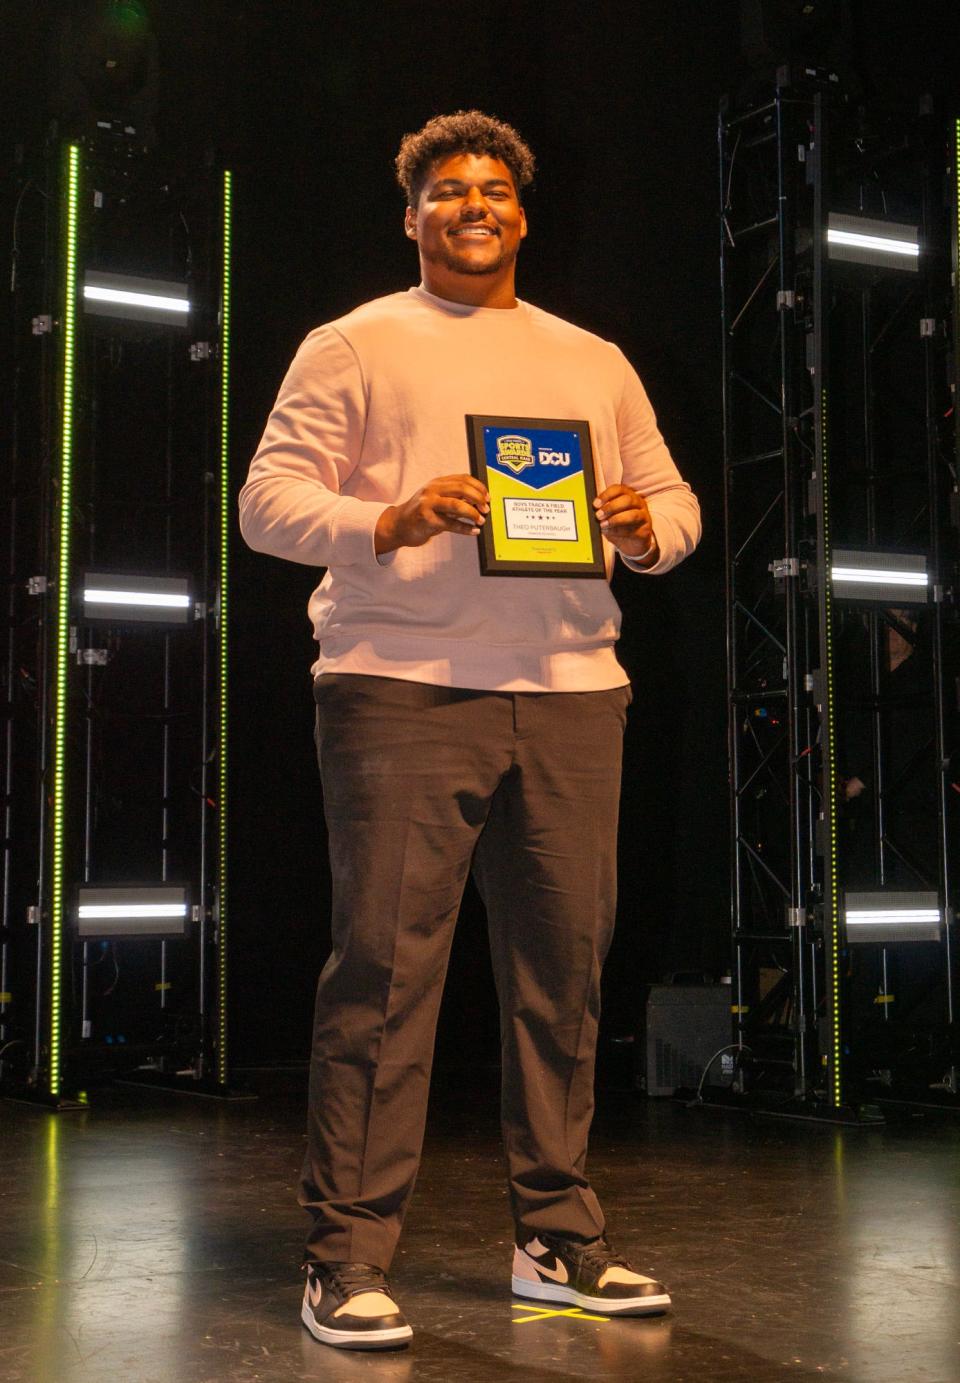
x=597, y=1257
x=350, y=1279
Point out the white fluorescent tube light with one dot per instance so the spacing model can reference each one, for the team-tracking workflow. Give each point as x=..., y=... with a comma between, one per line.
x=877, y=576
x=133, y=911
x=107, y=910
x=887, y=917
x=873, y=242
x=128, y=298
x=868, y=916
x=121, y=598
x=880, y=578
x=869, y=240
x=150, y=599
x=136, y=298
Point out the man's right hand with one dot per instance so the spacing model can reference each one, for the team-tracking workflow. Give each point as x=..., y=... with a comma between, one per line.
x=449, y=504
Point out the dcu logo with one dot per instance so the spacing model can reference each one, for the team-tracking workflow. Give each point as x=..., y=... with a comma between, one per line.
x=514, y=452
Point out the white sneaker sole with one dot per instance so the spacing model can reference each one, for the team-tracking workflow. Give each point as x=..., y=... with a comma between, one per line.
x=355, y=1339
x=604, y=1306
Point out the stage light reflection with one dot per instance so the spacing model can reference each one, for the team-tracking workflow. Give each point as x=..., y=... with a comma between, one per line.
x=117, y=1251
x=49, y=1258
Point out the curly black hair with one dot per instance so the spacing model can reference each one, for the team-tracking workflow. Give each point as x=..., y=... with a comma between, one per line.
x=464, y=132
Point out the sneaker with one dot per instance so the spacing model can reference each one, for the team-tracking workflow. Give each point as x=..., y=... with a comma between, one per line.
x=350, y=1306
x=589, y=1275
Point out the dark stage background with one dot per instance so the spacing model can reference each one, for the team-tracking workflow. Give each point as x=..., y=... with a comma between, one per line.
x=308, y=102
x=619, y=105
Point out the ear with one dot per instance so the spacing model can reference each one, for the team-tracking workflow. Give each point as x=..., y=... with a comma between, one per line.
x=523, y=224
x=410, y=223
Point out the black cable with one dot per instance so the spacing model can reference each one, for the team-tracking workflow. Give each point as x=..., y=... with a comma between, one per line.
x=729, y=1047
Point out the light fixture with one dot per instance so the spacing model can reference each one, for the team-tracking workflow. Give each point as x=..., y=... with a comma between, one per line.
x=885, y=578
x=135, y=299
x=116, y=910
x=864, y=240
x=111, y=599
x=888, y=916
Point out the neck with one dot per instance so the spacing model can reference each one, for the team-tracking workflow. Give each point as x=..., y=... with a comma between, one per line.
x=473, y=290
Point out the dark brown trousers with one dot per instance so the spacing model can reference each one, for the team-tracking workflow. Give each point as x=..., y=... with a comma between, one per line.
x=419, y=783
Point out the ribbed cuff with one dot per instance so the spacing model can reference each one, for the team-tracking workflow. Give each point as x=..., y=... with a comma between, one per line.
x=352, y=530
x=667, y=543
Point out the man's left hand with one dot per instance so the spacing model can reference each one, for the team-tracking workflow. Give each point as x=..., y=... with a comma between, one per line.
x=625, y=522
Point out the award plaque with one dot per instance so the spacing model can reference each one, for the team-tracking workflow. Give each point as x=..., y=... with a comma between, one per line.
x=540, y=475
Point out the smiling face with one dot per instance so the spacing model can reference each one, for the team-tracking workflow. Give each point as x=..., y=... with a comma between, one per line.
x=468, y=224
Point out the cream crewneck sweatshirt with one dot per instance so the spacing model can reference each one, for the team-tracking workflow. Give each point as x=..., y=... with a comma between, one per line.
x=372, y=408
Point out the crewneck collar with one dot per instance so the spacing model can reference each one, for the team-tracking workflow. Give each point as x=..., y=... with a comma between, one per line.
x=464, y=309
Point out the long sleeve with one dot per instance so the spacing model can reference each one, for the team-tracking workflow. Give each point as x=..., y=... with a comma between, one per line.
x=293, y=504
x=649, y=468
x=371, y=410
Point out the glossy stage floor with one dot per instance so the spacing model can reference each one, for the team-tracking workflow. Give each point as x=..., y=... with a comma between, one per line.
x=155, y=1239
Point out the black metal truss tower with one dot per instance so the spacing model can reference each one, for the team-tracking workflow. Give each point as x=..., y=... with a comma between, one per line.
x=113, y=938
x=840, y=454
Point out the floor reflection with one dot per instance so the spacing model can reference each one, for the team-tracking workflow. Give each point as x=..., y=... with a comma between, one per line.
x=155, y=1241
x=901, y=1263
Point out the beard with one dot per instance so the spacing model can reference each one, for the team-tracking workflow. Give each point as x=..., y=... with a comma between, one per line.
x=457, y=263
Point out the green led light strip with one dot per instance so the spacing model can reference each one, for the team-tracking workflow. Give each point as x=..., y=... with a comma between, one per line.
x=58, y=786
x=831, y=893
x=224, y=610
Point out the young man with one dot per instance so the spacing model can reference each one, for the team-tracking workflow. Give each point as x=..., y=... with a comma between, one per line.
x=462, y=721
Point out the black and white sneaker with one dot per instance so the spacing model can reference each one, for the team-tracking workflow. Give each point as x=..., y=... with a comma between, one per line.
x=350, y=1306
x=549, y=1268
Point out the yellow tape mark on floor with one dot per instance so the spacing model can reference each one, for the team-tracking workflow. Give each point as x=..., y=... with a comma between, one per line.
x=543, y=1313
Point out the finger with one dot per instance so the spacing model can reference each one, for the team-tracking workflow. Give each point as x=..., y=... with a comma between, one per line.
x=457, y=484
x=619, y=516
x=447, y=523
x=631, y=520
x=461, y=486
x=620, y=528
x=614, y=492
x=460, y=511
x=627, y=501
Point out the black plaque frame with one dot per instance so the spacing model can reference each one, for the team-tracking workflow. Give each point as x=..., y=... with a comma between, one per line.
x=490, y=564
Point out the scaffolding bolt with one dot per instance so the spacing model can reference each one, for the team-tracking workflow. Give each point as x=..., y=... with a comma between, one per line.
x=42, y=325
x=928, y=326
x=786, y=297
x=37, y=585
